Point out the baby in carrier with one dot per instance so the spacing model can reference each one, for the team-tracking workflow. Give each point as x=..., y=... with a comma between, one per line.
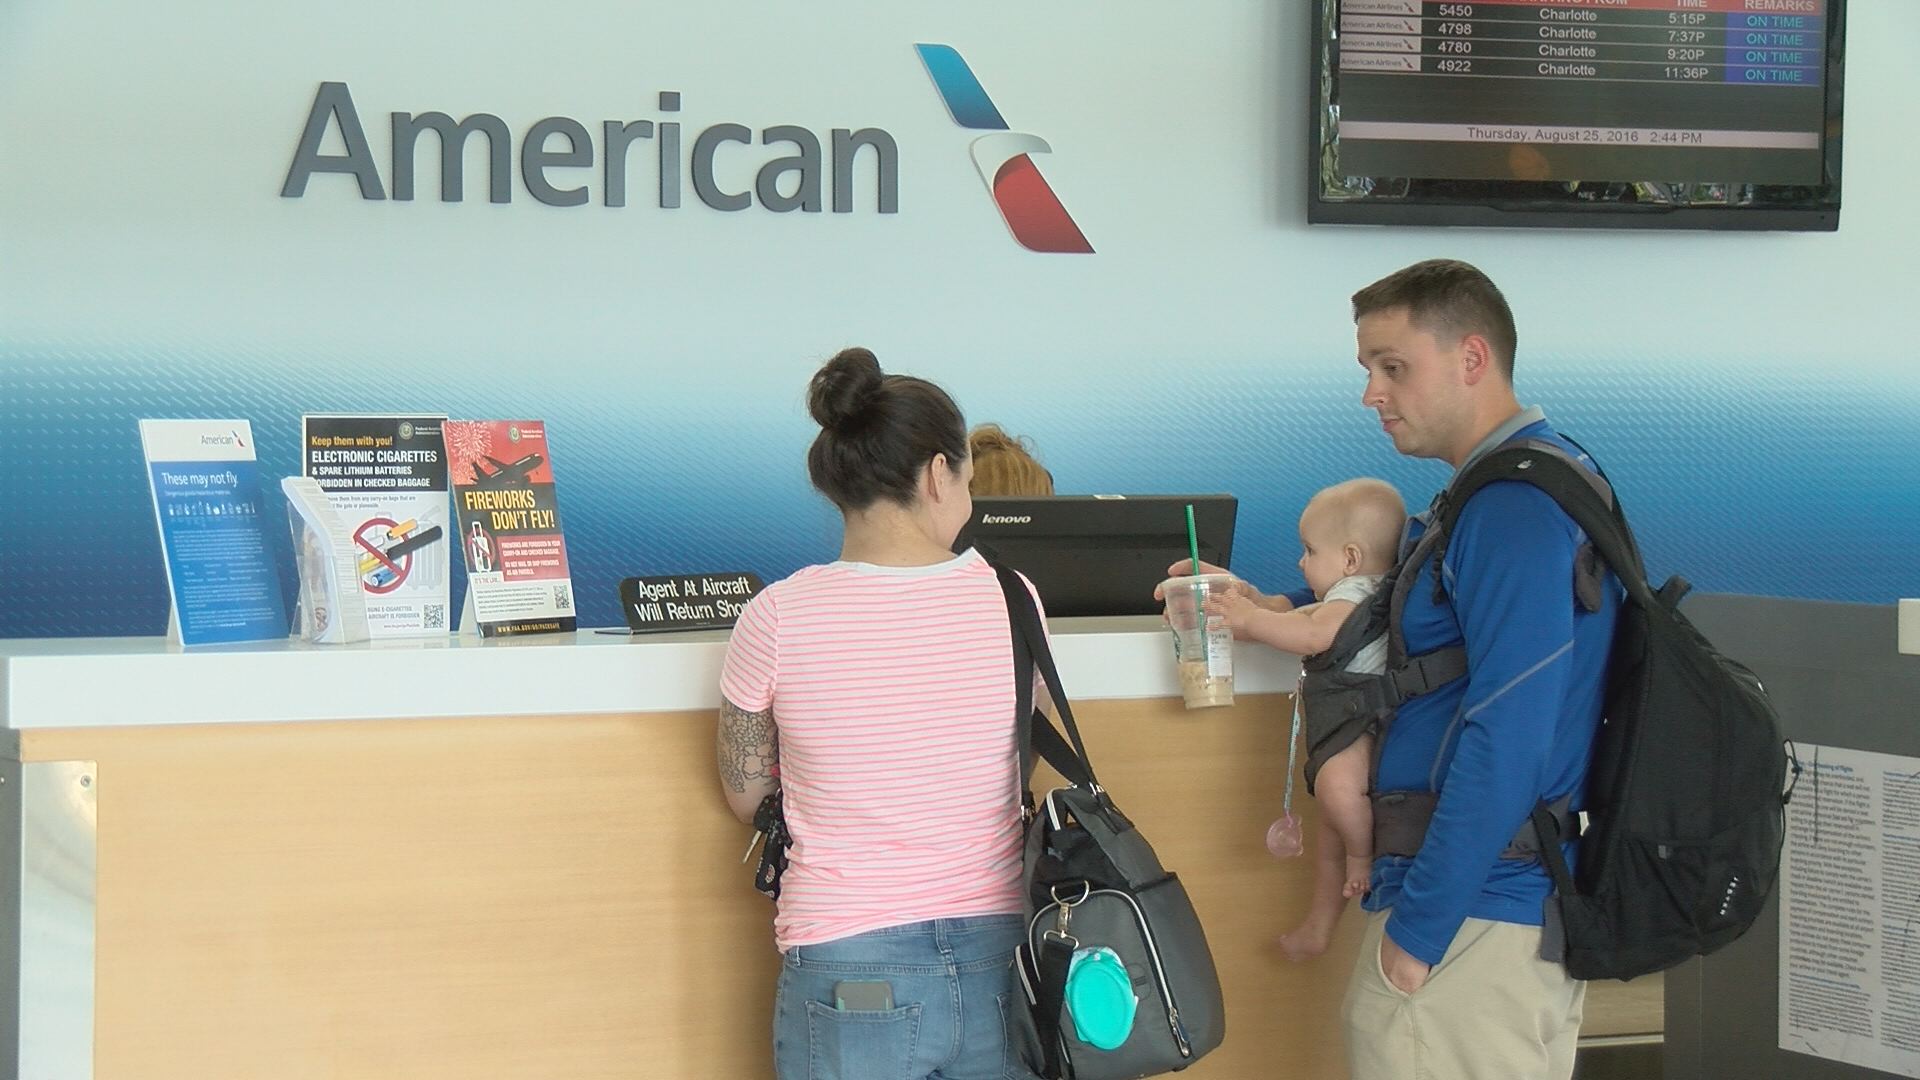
x=1349, y=538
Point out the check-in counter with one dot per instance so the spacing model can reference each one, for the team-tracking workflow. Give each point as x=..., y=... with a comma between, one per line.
x=462, y=859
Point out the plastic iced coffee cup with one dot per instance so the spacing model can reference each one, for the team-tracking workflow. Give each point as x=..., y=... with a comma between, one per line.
x=1202, y=644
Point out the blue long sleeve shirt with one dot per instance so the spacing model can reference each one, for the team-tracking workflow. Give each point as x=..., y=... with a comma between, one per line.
x=1518, y=728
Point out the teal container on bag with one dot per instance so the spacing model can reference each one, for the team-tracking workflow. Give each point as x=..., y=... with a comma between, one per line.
x=1100, y=998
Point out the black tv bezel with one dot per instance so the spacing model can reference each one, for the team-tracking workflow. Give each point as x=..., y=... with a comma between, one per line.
x=1818, y=215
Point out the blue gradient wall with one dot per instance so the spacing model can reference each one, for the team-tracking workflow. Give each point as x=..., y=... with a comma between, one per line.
x=1749, y=394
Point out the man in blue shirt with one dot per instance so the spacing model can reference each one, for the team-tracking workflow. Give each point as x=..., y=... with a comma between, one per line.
x=1450, y=981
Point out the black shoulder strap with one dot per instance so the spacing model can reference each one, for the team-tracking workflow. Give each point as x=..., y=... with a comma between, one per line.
x=1589, y=499
x=1035, y=732
x=1426, y=671
x=1400, y=582
x=1580, y=492
x=1052, y=965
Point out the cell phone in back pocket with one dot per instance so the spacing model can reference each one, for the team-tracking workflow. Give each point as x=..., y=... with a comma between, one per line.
x=875, y=996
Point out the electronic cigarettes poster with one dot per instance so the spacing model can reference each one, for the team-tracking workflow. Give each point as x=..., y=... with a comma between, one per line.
x=509, y=527
x=386, y=479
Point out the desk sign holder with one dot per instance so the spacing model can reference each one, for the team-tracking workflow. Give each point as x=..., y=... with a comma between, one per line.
x=332, y=609
x=685, y=601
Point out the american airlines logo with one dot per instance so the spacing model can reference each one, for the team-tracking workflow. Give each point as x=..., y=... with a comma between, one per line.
x=1033, y=213
x=1006, y=519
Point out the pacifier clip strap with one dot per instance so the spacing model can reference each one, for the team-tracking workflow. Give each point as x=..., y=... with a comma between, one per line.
x=1293, y=744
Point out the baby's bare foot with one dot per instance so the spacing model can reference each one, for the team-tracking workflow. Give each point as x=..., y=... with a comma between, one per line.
x=1306, y=941
x=1359, y=874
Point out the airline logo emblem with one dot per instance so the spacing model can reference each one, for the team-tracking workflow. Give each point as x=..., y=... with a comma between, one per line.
x=1032, y=211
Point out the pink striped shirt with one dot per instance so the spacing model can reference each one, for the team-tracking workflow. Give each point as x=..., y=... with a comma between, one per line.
x=893, y=693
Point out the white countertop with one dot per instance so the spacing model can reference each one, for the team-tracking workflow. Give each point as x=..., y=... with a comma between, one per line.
x=109, y=682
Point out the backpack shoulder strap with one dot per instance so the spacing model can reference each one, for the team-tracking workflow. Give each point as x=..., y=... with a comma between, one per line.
x=1581, y=494
x=1589, y=499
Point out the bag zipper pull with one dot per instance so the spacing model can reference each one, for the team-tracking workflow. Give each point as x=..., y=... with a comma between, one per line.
x=1179, y=1032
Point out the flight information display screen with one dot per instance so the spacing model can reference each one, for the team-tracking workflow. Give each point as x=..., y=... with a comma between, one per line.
x=1637, y=103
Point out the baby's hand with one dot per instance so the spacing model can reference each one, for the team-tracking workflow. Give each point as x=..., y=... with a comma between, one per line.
x=1236, y=608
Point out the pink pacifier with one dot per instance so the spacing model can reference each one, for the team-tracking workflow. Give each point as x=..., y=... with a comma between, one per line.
x=1283, y=837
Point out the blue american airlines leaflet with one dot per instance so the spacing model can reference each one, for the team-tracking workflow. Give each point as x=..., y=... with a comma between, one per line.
x=206, y=499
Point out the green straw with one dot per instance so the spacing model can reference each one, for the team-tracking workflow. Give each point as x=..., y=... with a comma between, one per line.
x=1199, y=592
x=1193, y=541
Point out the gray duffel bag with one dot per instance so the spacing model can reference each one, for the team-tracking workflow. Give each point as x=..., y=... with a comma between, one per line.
x=1097, y=894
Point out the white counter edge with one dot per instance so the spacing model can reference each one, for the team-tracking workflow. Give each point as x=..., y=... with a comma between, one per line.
x=121, y=682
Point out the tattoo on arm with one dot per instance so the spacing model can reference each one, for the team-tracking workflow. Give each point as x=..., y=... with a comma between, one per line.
x=749, y=746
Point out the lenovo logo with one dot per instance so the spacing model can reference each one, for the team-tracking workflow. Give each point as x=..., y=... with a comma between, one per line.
x=1006, y=519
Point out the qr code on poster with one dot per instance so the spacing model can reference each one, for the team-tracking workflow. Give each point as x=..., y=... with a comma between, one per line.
x=433, y=617
x=562, y=598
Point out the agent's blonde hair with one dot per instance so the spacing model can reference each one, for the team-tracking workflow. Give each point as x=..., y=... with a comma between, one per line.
x=1004, y=465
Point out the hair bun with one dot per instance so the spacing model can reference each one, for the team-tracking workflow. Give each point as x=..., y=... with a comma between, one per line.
x=844, y=388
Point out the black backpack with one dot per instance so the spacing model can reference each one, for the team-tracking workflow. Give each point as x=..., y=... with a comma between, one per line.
x=1686, y=796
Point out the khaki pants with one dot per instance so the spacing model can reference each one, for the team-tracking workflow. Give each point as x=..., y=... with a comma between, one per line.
x=1491, y=1010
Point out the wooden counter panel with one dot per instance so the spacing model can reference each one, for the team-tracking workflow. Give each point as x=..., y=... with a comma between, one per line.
x=531, y=897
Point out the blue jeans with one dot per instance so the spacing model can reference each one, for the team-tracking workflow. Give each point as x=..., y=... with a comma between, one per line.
x=953, y=985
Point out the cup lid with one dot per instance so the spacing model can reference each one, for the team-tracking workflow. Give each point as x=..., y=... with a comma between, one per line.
x=1188, y=581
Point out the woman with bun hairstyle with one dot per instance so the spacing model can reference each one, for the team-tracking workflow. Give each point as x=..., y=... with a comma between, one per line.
x=875, y=693
x=1005, y=465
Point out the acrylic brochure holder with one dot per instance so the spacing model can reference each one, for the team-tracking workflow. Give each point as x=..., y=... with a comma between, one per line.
x=332, y=609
